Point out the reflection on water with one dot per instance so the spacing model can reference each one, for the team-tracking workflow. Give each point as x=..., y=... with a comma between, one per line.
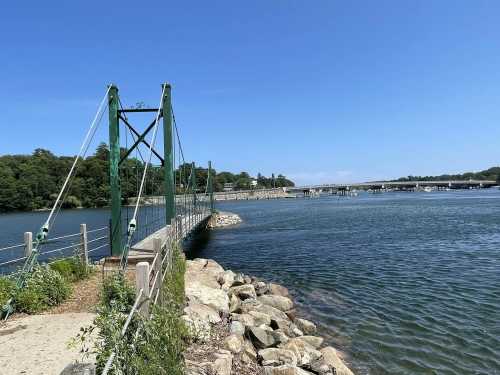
x=404, y=283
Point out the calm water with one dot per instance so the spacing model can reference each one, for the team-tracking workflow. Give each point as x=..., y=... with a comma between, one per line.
x=403, y=283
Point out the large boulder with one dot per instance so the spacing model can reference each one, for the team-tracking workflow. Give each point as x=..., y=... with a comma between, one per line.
x=260, y=318
x=279, y=302
x=198, y=328
x=234, y=343
x=305, y=353
x=331, y=358
x=234, y=303
x=213, y=267
x=201, y=275
x=226, y=279
x=260, y=287
x=314, y=341
x=223, y=363
x=253, y=305
x=287, y=327
x=306, y=326
x=237, y=328
x=243, y=292
x=278, y=290
x=245, y=319
x=239, y=279
x=277, y=357
x=261, y=338
x=216, y=298
x=198, y=311
x=285, y=370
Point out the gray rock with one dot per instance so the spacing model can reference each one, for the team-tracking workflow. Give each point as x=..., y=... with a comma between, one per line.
x=292, y=314
x=314, y=341
x=226, y=279
x=223, y=364
x=243, y=291
x=234, y=343
x=249, y=350
x=319, y=367
x=331, y=358
x=274, y=313
x=245, y=319
x=247, y=279
x=198, y=311
x=260, y=287
x=261, y=338
x=260, y=318
x=234, y=303
x=278, y=290
x=279, y=302
x=306, y=326
x=304, y=352
x=205, y=295
x=79, y=369
x=277, y=357
x=238, y=280
x=286, y=326
x=237, y=328
x=285, y=370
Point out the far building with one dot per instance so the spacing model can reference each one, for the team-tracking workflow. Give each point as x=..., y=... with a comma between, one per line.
x=253, y=183
x=228, y=186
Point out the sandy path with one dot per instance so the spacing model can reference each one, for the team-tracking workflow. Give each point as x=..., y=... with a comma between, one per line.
x=38, y=344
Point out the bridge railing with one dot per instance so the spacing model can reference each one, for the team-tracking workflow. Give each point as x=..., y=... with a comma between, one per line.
x=150, y=278
x=87, y=244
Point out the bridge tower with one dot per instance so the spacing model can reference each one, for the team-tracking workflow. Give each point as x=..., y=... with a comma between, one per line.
x=118, y=115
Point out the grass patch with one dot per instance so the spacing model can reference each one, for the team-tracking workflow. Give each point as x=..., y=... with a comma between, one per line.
x=7, y=289
x=44, y=288
x=72, y=268
x=149, y=346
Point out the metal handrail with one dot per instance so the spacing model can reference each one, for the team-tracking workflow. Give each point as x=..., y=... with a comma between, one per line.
x=11, y=247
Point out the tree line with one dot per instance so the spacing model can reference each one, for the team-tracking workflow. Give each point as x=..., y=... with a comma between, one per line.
x=488, y=174
x=31, y=182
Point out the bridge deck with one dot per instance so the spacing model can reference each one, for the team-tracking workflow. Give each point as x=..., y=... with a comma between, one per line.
x=189, y=223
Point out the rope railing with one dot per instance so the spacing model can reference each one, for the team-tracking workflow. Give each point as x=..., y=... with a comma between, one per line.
x=75, y=241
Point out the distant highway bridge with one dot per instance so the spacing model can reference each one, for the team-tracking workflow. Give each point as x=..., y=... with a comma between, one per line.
x=395, y=185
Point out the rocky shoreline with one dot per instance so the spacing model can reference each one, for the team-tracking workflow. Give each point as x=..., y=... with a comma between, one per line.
x=223, y=219
x=243, y=325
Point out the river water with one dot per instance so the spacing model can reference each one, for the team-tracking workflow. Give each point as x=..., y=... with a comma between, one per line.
x=401, y=283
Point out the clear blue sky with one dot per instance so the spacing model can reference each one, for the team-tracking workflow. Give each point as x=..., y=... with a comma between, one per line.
x=322, y=91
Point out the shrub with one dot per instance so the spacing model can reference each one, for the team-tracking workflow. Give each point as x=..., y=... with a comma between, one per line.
x=44, y=288
x=150, y=346
x=72, y=268
x=7, y=288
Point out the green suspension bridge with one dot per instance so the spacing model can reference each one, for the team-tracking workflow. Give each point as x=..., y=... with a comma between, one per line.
x=162, y=204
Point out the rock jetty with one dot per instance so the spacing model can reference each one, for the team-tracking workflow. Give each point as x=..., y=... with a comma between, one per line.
x=223, y=219
x=245, y=326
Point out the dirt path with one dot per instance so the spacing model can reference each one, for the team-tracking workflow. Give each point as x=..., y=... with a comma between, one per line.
x=38, y=344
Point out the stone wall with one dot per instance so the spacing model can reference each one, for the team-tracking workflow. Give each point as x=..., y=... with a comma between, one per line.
x=245, y=326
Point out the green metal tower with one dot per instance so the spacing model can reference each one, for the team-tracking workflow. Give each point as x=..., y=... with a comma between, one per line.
x=114, y=172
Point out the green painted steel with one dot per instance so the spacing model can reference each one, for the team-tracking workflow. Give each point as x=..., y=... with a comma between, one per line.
x=193, y=174
x=114, y=172
x=168, y=153
x=210, y=187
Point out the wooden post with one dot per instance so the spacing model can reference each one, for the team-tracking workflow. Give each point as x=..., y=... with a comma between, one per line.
x=142, y=282
x=84, y=249
x=28, y=243
x=158, y=266
x=181, y=234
